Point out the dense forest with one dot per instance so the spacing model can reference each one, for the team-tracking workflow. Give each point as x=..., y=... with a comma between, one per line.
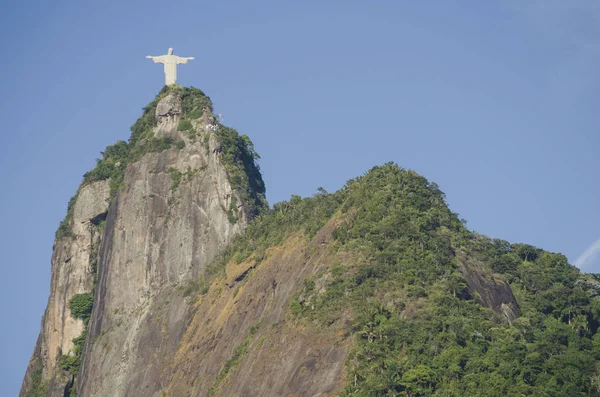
x=418, y=329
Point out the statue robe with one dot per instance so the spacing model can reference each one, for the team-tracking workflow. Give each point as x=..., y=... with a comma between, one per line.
x=170, y=62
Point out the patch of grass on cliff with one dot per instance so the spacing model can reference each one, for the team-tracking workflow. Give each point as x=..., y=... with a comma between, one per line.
x=271, y=226
x=115, y=159
x=238, y=353
x=198, y=286
x=185, y=125
x=175, y=178
x=39, y=386
x=64, y=229
x=231, y=212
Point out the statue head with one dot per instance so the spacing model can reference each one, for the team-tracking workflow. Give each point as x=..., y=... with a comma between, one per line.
x=170, y=52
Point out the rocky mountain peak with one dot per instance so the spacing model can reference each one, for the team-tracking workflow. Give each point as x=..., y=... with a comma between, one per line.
x=147, y=220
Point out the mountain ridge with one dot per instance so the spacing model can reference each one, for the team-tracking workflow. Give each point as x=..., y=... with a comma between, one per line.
x=377, y=289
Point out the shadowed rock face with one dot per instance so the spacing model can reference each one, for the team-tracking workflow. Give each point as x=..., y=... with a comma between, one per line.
x=71, y=274
x=492, y=289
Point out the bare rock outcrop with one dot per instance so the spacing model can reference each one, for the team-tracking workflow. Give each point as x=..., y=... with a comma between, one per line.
x=279, y=357
x=491, y=289
x=165, y=227
x=168, y=113
x=175, y=210
x=71, y=274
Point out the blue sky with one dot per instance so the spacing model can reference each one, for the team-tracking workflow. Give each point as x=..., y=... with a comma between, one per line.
x=497, y=102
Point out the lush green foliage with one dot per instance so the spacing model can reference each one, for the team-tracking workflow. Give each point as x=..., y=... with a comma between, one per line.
x=71, y=362
x=38, y=387
x=271, y=226
x=236, y=151
x=64, y=229
x=115, y=159
x=185, y=125
x=81, y=306
x=194, y=103
x=240, y=160
x=418, y=330
x=111, y=166
x=175, y=178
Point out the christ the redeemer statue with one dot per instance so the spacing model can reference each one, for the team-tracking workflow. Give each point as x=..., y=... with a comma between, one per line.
x=170, y=61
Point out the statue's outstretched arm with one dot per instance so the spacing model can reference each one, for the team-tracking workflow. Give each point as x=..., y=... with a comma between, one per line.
x=155, y=59
x=181, y=60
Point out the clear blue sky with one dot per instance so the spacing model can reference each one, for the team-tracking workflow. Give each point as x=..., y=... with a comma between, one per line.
x=497, y=102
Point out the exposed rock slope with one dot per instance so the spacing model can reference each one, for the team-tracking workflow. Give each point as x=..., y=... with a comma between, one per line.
x=160, y=235
x=174, y=210
x=72, y=273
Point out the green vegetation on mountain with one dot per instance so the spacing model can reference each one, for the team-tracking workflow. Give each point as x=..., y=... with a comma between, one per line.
x=418, y=329
x=236, y=152
x=239, y=159
x=39, y=386
x=64, y=229
x=404, y=294
x=71, y=362
x=81, y=305
x=234, y=360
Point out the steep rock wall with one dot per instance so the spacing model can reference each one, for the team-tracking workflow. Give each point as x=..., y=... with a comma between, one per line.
x=71, y=274
x=167, y=225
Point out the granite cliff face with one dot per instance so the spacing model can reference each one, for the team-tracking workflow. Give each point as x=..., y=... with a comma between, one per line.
x=72, y=273
x=174, y=211
x=157, y=237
